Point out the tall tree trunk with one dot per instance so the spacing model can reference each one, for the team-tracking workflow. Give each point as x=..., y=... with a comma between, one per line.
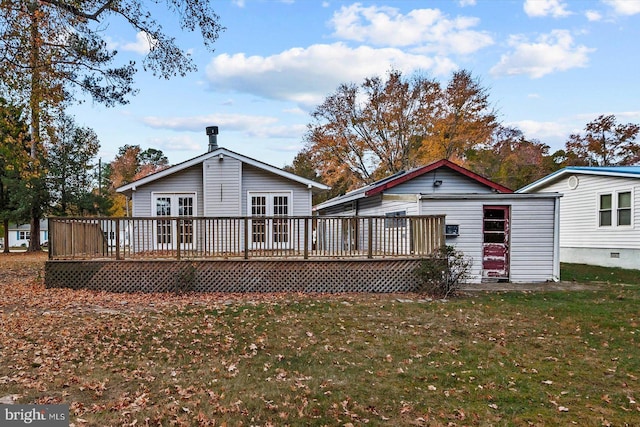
x=6, y=236
x=34, y=106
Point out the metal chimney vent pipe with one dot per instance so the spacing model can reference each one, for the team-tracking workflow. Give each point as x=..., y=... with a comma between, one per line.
x=212, y=131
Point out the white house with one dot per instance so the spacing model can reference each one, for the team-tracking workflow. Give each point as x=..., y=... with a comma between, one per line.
x=509, y=237
x=221, y=184
x=20, y=234
x=599, y=214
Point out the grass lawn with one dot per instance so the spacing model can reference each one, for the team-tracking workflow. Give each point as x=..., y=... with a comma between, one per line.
x=486, y=359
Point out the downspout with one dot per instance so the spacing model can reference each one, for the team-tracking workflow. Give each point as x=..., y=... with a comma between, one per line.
x=556, y=240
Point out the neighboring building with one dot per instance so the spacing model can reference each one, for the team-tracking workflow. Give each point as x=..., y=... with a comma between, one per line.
x=20, y=234
x=221, y=184
x=600, y=214
x=509, y=237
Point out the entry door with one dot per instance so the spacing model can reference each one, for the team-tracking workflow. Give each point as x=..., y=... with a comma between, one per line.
x=495, y=246
x=171, y=233
x=270, y=232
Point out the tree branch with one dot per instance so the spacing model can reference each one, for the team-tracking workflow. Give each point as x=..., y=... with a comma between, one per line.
x=79, y=13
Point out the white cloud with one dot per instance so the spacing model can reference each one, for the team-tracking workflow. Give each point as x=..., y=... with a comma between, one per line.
x=231, y=122
x=464, y=3
x=538, y=8
x=143, y=44
x=307, y=75
x=182, y=142
x=551, y=53
x=277, y=131
x=543, y=130
x=624, y=7
x=593, y=15
x=426, y=30
x=554, y=134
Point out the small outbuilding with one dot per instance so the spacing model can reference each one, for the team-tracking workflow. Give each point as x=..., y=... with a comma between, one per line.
x=510, y=237
x=599, y=214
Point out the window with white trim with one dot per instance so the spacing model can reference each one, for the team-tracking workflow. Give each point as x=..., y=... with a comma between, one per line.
x=605, y=210
x=615, y=209
x=24, y=235
x=624, y=208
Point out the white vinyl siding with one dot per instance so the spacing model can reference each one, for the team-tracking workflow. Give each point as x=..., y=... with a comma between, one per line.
x=255, y=180
x=579, y=212
x=531, y=233
x=532, y=240
x=452, y=182
x=222, y=185
x=186, y=181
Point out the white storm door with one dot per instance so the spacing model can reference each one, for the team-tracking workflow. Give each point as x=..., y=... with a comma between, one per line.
x=268, y=231
x=169, y=233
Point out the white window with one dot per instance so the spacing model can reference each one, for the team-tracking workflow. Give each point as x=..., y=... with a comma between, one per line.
x=624, y=208
x=605, y=210
x=24, y=235
x=615, y=209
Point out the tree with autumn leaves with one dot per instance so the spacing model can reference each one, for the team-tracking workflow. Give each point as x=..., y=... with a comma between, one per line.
x=604, y=143
x=362, y=133
x=130, y=164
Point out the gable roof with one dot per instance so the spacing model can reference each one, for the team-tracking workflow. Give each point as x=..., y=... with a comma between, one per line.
x=219, y=151
x=404, y=176
x=614, y=171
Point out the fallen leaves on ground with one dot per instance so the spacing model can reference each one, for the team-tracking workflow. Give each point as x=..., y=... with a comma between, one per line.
x=291, y=359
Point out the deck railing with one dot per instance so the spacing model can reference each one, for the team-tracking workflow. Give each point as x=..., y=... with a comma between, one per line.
x=179, y=238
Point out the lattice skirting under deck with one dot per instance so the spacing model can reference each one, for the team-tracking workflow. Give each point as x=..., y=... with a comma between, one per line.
x=330, y=276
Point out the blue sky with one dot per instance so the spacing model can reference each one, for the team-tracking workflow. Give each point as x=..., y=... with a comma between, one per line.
x=550, y=66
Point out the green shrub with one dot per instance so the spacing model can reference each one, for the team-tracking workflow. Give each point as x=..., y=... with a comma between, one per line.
x=442, y=274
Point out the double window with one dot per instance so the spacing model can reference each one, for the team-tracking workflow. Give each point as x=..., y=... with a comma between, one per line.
x=24, y=235
x=615, y=209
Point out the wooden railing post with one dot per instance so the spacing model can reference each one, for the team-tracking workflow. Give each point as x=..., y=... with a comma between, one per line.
x=306, y=238
x=246, y=238
x=370, y=242
x=50, y=231
x=178, y=237
x=117, y=239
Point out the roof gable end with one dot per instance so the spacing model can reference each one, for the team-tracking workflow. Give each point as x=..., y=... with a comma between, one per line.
x=607, y=171
x=383, y=186
x=215, y=153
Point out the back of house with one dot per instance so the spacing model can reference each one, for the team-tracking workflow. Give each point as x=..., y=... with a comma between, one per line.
x=599, y=214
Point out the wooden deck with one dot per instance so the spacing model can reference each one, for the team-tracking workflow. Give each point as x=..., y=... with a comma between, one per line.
x=246, y=254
